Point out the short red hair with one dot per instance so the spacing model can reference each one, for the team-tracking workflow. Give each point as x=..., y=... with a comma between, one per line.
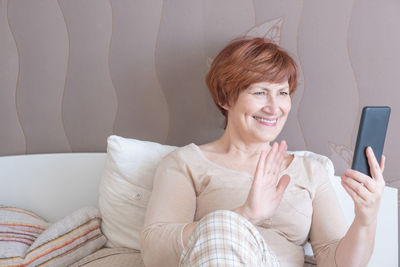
x=247, y=61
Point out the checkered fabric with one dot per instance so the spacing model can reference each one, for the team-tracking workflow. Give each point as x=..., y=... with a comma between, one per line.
x=224, y=238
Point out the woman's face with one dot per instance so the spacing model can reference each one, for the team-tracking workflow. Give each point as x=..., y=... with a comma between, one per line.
x=260, y=111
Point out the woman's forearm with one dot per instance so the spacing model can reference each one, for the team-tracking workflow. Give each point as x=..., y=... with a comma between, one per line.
x=356, y=247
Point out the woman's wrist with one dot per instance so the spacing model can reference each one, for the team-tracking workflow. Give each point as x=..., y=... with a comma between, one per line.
x=242, y=211
x=359, y=223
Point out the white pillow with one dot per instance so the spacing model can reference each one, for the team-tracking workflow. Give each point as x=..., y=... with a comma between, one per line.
x=126, y=186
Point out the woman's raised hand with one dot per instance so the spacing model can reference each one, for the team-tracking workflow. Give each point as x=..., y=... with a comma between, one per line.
x=266, y=192
x=366, y=192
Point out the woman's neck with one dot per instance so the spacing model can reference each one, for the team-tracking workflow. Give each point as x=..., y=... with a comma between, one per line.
x=231, y=143
x=237, y=154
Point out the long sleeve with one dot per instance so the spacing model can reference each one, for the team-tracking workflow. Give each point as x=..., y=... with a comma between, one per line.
x=328, y=222
x=172, y=205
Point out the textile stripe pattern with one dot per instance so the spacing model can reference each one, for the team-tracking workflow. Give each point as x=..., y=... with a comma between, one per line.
x=28, y=240
x=224, y=238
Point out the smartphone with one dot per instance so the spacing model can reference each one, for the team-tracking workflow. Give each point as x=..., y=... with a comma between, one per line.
x=371, y=132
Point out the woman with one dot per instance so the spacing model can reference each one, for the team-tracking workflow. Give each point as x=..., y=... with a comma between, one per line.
x=242, y=200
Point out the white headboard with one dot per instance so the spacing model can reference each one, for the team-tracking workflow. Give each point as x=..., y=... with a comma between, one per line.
x=51, y=185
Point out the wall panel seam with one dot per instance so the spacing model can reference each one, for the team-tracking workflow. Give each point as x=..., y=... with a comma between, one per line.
x=65, y=79
x=304, y=80
x=17, y=83
x=109, y=67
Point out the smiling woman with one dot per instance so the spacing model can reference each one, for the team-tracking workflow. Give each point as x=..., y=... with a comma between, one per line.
x=242, y=199
x=243, y=63
x=260, y=111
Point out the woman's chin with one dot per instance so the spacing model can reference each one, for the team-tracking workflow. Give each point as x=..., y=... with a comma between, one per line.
x=266, y=138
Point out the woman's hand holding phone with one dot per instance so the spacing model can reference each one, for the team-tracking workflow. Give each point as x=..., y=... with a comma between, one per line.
x=366, y=191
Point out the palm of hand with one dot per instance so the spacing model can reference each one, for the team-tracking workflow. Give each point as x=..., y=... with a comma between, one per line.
x=266, y=192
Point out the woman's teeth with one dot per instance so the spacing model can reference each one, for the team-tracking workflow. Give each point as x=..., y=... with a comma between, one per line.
x=271, y=121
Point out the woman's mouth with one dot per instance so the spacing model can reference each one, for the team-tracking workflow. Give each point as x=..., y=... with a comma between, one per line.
x=266, y=121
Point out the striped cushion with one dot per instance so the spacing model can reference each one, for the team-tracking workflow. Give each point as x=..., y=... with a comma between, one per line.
x=18, y=230
x=59, y=244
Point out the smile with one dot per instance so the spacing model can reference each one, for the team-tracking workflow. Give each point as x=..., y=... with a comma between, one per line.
x=265, y=121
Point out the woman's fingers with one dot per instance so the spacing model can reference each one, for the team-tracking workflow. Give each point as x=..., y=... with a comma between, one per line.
x=374, y=167
x=280, y=158
x=274, y=161
x=382, y=164
x=269, y=162
x=357, y=188
x=269, y=165
x=260, y=167
x=356, y=198
x=282, y=185
x=361, y=178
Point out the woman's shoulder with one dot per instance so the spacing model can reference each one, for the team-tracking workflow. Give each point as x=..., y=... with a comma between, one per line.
x=314, y=162
x=181, y=154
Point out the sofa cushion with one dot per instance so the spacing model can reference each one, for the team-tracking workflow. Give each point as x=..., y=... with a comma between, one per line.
x=18, y=230
x=60, y=244
x=125, y=188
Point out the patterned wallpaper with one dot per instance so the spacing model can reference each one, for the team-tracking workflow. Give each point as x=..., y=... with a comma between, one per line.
x=73, y=72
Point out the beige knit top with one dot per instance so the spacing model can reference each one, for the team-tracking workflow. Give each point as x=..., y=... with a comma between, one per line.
x=188, y=186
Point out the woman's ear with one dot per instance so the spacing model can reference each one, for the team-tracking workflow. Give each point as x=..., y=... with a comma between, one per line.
x=224, y=106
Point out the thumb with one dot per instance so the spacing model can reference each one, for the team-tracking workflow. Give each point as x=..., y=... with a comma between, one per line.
x=382, y=163
x=283, y=184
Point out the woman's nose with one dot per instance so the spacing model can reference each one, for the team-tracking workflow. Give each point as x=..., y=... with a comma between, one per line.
x=271, y=105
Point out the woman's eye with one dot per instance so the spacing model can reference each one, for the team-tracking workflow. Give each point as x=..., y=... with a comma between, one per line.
x=259, y=93
x=284, y=93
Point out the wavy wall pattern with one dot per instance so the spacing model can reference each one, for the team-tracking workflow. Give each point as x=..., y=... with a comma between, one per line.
x=12, y=139
x=331, y=97
x=41, y=38
x=74, y=72
x=373, y=49
x=219, y=30
x=181, y=66
x=134, y=73
x=89, y=104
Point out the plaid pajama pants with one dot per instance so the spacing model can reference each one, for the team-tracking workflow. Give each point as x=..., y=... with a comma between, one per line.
x=224, y=238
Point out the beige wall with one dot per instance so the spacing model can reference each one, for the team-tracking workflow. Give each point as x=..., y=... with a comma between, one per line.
x=73, y=72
